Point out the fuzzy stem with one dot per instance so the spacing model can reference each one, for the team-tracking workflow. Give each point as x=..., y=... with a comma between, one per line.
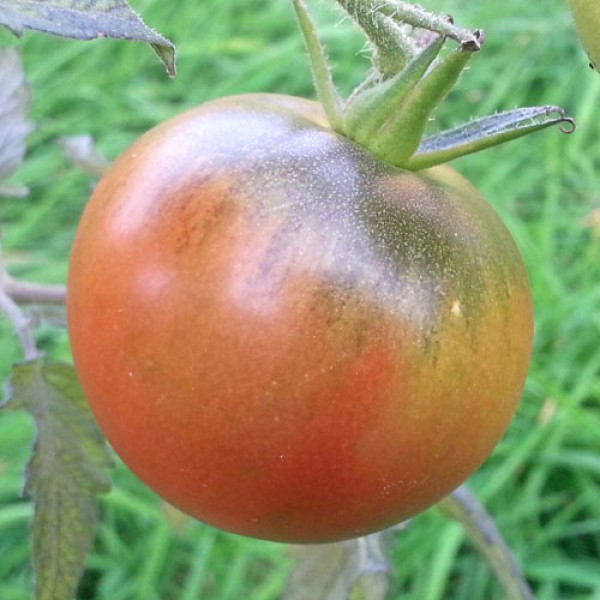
x=393, y=49
x=324, y=86
x=365, y=13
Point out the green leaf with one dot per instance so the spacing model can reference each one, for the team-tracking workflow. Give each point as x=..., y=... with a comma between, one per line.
x=485, y=132
x=354, y=569
x=15, y=101
x=85, y=20
x=64, y=476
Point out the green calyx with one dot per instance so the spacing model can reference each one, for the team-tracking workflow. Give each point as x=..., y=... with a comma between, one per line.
x=389, y=111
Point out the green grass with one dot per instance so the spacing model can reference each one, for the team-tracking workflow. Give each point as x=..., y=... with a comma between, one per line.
x=543, y=481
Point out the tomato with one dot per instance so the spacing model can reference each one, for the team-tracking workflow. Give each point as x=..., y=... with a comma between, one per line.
x=287, y=338
x=586, y=14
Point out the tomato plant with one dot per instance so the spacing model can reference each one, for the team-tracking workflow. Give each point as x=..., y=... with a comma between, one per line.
x=284, y=328
x=586, y=14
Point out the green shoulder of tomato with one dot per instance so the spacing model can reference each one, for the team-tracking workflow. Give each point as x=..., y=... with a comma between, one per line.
x=586, y=14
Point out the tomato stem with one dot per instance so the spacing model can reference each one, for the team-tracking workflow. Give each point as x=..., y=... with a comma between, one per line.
x=382, y=20
x=12, y=292
x=325, y=88
x=463, y=506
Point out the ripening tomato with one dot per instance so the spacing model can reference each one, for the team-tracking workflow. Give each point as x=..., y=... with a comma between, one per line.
x=287, y=338
x=586, y=14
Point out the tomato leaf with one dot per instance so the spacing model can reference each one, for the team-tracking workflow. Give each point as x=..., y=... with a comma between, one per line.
x=15, y=100
x=64, y=475
x=366, y=14
x=354, y=569
x=85, y=20
x=486, y=132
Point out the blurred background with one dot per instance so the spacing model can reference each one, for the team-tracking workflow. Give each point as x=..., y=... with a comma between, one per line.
x=542, y=484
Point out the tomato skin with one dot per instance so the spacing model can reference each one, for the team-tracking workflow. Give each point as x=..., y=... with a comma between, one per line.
x=586, y=14
x=283, y=336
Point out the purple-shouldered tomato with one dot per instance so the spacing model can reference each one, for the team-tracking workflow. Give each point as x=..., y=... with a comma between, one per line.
x=287, y=338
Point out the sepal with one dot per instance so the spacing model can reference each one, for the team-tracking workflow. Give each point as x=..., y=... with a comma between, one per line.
x=485, y=132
